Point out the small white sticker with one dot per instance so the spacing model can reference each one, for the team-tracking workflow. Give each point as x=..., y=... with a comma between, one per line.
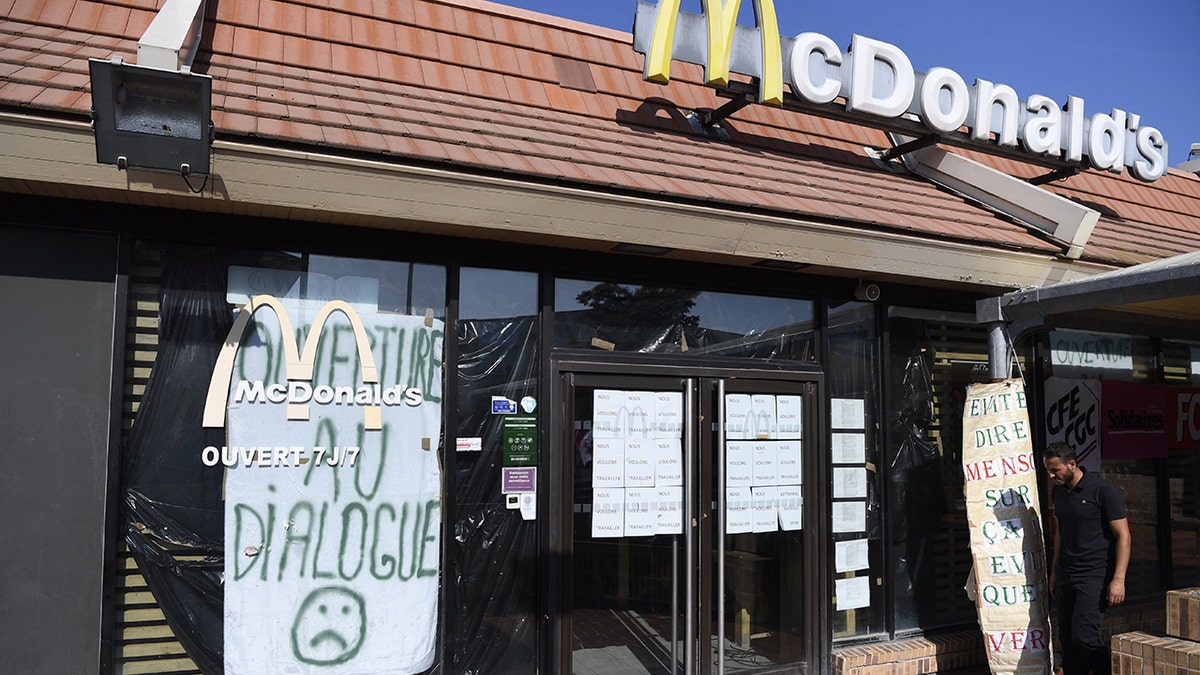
x=529, y=404
x=528, y=505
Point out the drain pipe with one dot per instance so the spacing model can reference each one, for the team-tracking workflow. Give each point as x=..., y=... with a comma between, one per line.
x=989, y=313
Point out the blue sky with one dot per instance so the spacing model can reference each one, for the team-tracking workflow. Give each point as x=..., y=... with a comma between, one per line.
x=1141, y=57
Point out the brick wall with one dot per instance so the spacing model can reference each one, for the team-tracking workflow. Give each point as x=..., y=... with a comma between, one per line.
x=1137, y=653
x=1152, y=653
x=1183, y=613
x=962, y=652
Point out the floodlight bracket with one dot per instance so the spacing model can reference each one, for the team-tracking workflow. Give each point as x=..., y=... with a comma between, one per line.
x=151, y=118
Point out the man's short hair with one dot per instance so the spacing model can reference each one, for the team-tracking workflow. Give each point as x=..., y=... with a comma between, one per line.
x=1059, y=450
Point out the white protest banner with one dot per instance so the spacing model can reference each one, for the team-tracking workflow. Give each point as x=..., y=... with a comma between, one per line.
x=1000, y=489
x=333, y=511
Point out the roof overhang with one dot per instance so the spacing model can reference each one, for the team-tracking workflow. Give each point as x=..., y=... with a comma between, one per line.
x=55, y=158
x=1159, y=298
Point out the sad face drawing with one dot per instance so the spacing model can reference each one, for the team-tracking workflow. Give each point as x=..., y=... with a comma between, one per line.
x=330, y=626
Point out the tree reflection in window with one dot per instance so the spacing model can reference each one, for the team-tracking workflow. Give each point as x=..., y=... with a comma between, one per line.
x=641, y=318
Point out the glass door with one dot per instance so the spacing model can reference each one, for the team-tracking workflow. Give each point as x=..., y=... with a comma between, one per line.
x=767, y=585
x=684, y=544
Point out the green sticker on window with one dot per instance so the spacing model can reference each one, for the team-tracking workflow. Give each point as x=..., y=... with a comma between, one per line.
x=520, y=440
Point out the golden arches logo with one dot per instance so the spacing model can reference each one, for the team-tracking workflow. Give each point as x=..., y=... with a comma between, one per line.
x=721, y=22
x=299, y=365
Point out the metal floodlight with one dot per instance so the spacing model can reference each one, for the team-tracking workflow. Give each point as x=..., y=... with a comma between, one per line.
x=151, y=118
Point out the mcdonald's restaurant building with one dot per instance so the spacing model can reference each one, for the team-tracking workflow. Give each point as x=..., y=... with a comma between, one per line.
x=441, y=336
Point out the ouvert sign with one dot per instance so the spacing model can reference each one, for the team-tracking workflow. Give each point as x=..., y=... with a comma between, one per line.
x=877, y=79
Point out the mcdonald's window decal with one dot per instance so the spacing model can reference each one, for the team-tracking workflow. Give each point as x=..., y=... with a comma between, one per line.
x=332, y=509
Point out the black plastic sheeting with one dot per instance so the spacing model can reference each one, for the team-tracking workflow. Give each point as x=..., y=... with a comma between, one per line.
x=917, y=494
x=495, y=552
x=173, y=514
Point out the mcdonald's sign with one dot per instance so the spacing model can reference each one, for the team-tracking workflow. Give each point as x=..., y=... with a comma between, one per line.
x=720, y=25
x=877, y=79
x=299, y=370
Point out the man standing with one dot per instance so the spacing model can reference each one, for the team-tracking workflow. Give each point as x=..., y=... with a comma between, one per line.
x=1091, y=555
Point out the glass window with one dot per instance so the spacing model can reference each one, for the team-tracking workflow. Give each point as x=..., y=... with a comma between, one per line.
x=932, y=363
x=625, y=317
x=1181, y=369
x=1181, y=363
x=494, y=628
x=1075, y=377
x=852, y=376
x=1083, y=355
x=1185, y=518
x=224, y=516
x=1137, y=482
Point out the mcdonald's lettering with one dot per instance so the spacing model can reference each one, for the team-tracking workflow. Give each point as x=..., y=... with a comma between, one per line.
x=876, y=78
x=302, y=392
x=299, y=390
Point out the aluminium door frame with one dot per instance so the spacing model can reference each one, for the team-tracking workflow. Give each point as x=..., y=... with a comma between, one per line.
x=556, y=502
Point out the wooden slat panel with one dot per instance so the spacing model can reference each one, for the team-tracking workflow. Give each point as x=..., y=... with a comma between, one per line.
x=145, y=643
x=1177, y=364
x=160, y=667
x=956, y=346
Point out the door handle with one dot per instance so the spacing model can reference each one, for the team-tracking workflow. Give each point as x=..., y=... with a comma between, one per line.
x=721, y=506
x=689, y=533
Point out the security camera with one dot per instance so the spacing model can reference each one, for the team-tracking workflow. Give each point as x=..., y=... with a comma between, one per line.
x=867, y=292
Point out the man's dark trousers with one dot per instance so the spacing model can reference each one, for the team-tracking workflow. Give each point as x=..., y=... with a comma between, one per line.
x=1082, y=601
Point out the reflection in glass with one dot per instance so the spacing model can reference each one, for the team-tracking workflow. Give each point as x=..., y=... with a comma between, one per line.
x=625, y=317
x=1137, y=482
x=764, y=600
x=1185, y=518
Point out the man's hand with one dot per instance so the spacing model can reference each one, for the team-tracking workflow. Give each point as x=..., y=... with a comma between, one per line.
x=1116, y=592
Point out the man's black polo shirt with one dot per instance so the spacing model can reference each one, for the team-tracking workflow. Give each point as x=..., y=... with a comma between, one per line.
x=1087, y=543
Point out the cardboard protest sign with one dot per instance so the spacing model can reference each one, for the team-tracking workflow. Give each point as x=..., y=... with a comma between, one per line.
x=1009, y=581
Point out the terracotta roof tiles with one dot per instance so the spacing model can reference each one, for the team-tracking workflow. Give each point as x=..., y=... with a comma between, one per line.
x=487, y=87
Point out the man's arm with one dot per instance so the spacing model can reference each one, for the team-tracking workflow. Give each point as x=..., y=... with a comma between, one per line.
x=1116, y=587
x=1054, y=561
